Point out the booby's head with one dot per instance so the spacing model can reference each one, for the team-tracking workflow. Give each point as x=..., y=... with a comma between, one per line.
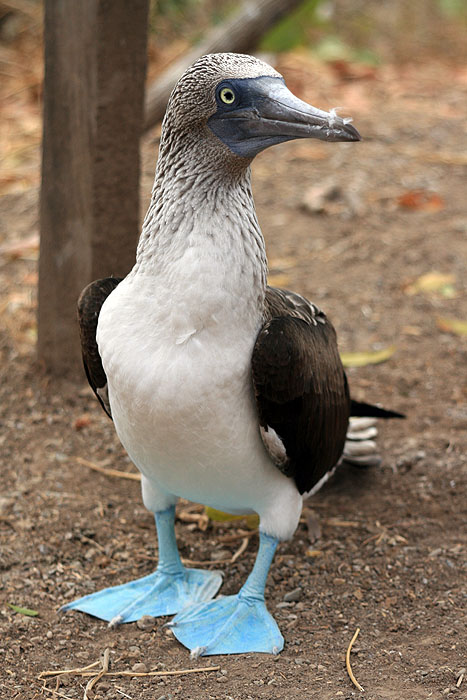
x=246, y=105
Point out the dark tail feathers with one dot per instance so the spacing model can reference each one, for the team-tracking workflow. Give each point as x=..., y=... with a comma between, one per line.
x=368, y=410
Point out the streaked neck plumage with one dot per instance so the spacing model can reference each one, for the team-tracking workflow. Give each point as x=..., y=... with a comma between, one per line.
x=202, y=215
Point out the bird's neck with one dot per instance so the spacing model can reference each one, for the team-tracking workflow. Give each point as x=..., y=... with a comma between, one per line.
x=202, y=215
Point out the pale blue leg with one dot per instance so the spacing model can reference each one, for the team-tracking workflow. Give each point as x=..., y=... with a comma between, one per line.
x=234, y=624
x=166, y=591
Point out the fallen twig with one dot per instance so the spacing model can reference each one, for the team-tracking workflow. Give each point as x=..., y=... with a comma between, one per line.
x=108, y=472
x=78, y=671
x=239, y=551
x=105, y=668
x=86, y=673
x=347, y=661
x=55, y=693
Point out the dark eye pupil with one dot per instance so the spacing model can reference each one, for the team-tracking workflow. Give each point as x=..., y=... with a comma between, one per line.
x=228, y=95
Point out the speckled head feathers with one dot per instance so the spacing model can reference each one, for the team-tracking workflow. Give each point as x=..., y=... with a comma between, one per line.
x=193, y=97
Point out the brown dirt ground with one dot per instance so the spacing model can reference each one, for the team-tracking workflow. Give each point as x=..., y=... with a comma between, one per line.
x=391, y=556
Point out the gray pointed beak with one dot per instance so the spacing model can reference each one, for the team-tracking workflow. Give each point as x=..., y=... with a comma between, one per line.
x=282, y=113
x=269, y=114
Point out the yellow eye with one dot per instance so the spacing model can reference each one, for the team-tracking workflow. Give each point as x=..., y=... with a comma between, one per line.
x=227, y=96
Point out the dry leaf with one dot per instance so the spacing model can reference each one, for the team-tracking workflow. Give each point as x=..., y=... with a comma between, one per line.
x=452, y=325
x=82, y=422
x=420, y=200
x=370, y=357
x=433, y=282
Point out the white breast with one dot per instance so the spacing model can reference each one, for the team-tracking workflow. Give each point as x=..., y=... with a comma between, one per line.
x=178, y=363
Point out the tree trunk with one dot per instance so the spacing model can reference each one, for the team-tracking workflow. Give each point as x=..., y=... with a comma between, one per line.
x=239, y=33
x=95, y=65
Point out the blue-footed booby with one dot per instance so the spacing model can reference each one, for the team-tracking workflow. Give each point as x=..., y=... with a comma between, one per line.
x=223, y=390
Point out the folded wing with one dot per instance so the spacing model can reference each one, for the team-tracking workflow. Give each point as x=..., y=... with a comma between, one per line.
x=300, y=387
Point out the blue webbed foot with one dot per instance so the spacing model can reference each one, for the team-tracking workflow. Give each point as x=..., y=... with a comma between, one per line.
x=235, y=624
x=165, y=592
x=231, y=625
x=157, y=594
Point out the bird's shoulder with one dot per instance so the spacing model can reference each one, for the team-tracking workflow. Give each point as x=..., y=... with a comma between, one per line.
x=283, y=302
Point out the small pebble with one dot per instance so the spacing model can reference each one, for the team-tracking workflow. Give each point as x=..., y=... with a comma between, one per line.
x=222, y=679
x=220, y=555
x=293, y=596
x=49, y=634
x=147, y=622
x=139, y=668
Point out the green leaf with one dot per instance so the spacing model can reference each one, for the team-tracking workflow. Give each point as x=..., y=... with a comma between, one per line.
x=220, y=517
x=293, y=29
x=370, y=357
x=23, y=611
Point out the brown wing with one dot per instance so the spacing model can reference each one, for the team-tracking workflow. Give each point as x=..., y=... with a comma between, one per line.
x=301, y=388
x=89, y=305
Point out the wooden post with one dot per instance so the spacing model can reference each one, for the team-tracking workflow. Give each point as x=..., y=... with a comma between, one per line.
x=95, y=65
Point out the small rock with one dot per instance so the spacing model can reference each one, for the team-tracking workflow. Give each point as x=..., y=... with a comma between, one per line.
x=293, y=596
x=49, y=634
x=222, y=679
x=220, y=555
x=147, y=622
x=139, y=668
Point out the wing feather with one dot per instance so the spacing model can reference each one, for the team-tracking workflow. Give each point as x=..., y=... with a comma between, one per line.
x=89, y=305
x=300, y=387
